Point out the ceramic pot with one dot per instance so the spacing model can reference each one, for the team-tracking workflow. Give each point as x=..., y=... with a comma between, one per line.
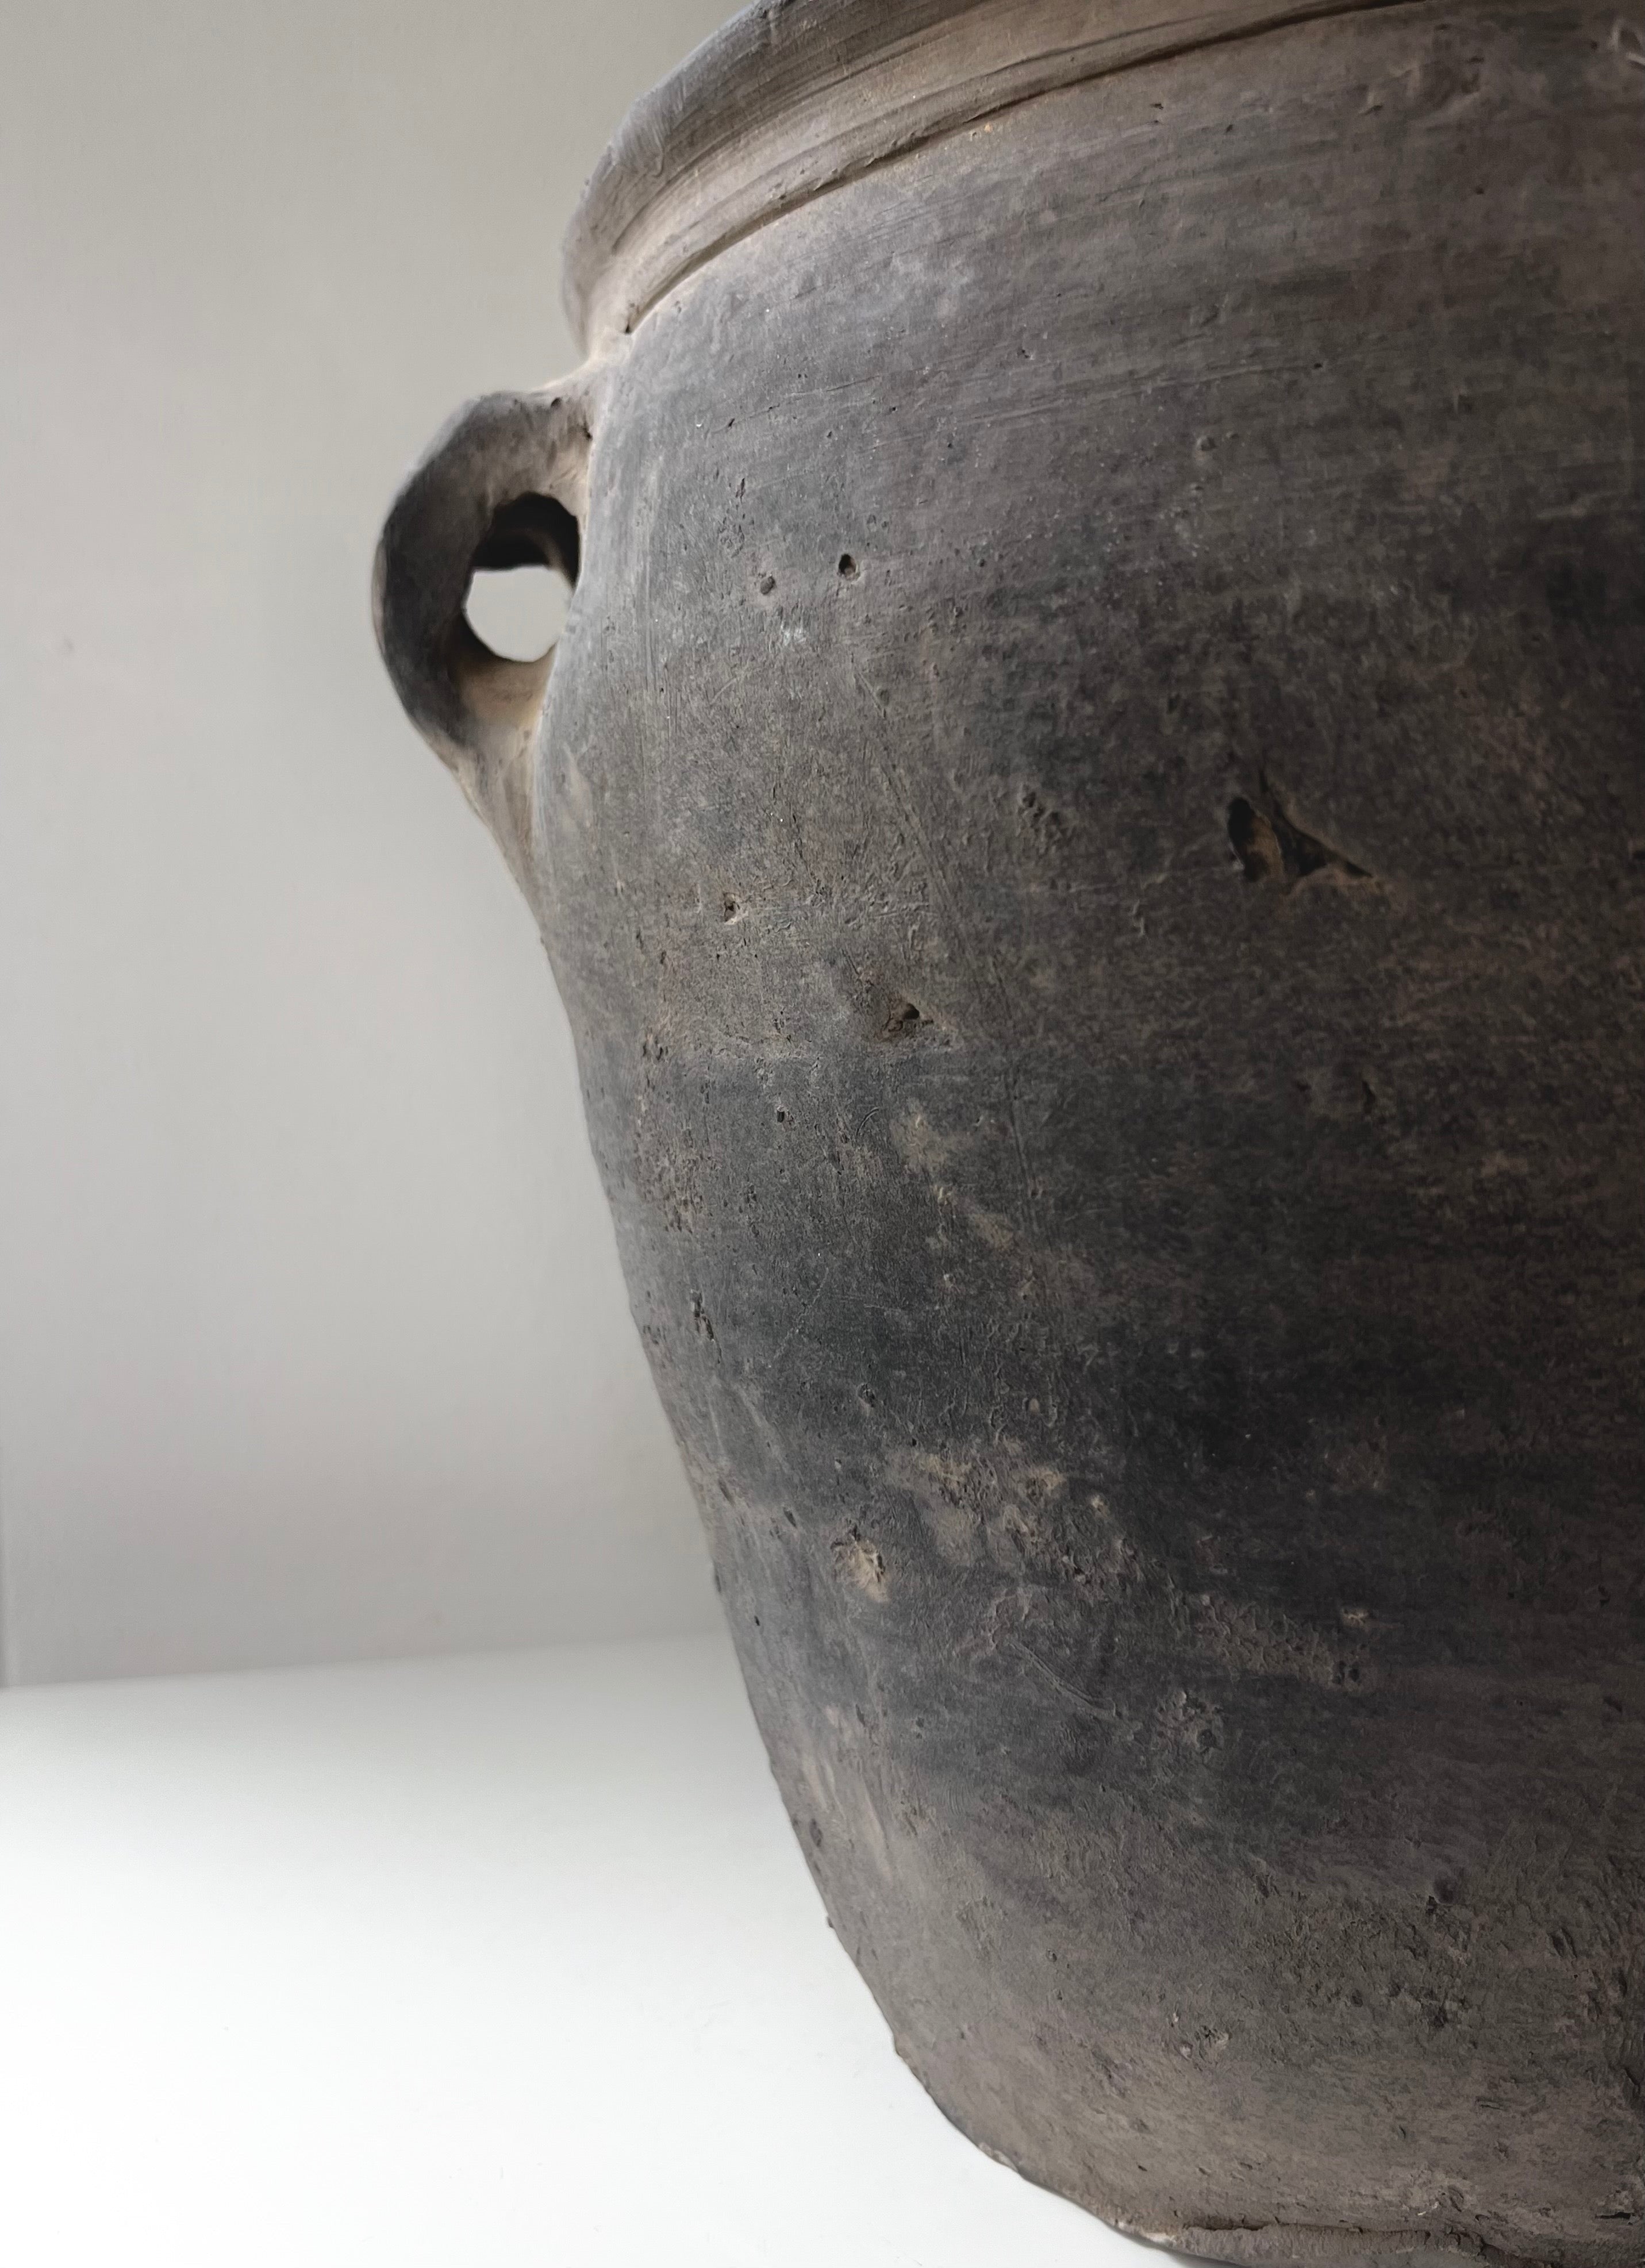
x=1088, y=820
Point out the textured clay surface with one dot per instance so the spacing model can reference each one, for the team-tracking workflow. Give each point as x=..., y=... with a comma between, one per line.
x=1090, y=820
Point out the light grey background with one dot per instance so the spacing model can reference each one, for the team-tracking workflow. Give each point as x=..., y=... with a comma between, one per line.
x=312, y=1339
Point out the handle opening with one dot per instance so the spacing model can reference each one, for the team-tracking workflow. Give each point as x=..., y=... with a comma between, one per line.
x=529, y=531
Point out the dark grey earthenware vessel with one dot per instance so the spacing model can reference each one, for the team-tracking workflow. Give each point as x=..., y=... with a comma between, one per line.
x=1088, y=820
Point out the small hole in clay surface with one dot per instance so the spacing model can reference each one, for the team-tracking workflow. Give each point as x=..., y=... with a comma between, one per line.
x=1272, y=848
x=848, y=567
x=517, y=612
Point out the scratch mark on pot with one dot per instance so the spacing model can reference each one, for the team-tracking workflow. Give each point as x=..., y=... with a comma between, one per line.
x=1054, y=1677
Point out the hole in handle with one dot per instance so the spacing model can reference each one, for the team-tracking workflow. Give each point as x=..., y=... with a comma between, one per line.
x=518, y=613
x=521, y=579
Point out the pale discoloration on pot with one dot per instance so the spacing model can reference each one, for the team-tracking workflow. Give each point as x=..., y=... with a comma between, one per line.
x=1087, y=818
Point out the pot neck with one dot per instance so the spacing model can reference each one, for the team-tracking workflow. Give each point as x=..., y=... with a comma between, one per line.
x=793, y=97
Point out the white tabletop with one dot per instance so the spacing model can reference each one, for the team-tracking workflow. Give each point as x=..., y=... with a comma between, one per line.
x=472, y=1962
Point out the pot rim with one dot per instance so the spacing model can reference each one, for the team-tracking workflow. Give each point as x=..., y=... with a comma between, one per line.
x=792, y=97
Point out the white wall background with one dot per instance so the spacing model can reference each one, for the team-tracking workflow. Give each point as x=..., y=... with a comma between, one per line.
x=312, y=1339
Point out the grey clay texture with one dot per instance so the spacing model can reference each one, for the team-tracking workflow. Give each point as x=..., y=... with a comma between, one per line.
x=1088, y=819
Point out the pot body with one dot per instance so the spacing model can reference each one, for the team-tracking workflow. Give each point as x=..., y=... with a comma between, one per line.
x=1088, y=820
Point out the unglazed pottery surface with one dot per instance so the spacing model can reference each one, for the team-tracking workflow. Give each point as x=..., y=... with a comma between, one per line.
x=1088, y=820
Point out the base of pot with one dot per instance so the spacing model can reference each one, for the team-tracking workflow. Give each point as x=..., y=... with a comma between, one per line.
x=1339, y=2248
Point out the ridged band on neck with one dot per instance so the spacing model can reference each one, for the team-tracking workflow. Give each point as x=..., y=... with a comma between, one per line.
x=794, y=96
